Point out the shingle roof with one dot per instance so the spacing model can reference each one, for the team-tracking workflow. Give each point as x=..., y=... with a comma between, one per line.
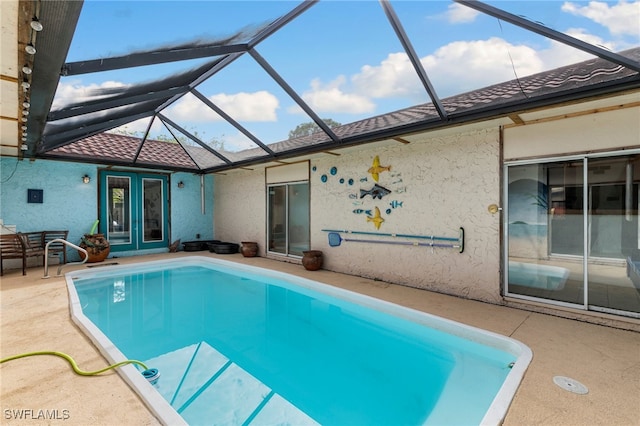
x=582, y=80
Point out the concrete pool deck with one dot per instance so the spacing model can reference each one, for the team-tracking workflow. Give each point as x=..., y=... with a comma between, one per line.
x=34, y=316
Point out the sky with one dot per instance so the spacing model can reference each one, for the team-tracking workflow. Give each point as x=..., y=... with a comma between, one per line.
x=342, y=57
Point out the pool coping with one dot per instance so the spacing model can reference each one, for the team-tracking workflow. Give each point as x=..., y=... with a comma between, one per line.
x=160, y=407
x=168, y=415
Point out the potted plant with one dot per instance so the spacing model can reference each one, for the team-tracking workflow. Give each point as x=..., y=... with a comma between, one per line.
x=96, y=245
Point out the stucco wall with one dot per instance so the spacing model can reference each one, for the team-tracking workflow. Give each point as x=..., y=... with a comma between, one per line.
x=448, y=183
x=70, y=204
x=240, y=207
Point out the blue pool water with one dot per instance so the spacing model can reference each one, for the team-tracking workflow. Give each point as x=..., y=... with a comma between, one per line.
x=241, y=345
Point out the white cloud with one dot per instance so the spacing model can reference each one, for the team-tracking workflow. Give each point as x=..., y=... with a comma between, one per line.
x=460, y=14
x=256, y=106
x=332, y=98
x=622, y=18
x=461, y=66
x=453, y=68
x=73, y=92
x=242, y=106
x=394, y=76
x=139, y=127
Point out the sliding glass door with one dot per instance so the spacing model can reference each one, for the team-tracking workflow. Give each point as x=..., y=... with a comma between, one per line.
x=614, y=237
x=288, y=218
x=571, y=232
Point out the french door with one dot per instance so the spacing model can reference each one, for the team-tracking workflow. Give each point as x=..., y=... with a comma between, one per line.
x=134, y=210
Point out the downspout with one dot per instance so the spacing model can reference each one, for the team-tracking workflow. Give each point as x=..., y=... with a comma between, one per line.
x=202, y=201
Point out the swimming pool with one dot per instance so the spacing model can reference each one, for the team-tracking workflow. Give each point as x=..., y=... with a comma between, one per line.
x=237, y=344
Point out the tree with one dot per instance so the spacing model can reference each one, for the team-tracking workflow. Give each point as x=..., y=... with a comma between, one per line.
x=306, y=129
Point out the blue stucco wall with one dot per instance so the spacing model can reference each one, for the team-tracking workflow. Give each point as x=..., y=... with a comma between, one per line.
x=70, y=204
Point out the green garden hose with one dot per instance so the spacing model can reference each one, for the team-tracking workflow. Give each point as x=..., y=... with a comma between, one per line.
x=151, y=374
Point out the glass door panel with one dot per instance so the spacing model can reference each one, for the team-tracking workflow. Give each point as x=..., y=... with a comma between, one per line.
x=545, y=226
x=614, y=238
x=277, y=205
x=298, y=218
x=119, y=210
x=153, y=210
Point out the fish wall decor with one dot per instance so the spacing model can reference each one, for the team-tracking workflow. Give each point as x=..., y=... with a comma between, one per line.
x=376, y=168
x=376, y=191
x=395, y=204
x=360, y=211
x=376, y=219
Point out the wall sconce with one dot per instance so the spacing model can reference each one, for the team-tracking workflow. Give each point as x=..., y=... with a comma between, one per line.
x=181, y=184
x=86, y=179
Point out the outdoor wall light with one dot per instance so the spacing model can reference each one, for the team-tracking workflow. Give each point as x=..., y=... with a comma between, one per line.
x=25, y=84
x=26, y=104
x=86, y=179
x=27, y=70
x=30, y=49
x=181, y=184
x=25, y=112
x=25, y=119
x=24, y=147
x=36, y=24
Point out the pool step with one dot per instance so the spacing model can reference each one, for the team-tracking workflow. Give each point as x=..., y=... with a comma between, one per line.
x=204, y=386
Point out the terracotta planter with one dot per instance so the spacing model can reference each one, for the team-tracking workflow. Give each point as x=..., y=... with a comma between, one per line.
x=249, y=249
x=312, y=260
x=97, y=247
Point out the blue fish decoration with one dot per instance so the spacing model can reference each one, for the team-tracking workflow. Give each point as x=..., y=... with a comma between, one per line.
x=364, y=179
x=376, y=192
x=360, y=211
x=395, y=204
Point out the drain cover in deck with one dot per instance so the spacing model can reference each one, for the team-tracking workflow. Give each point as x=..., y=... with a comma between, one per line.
x=570, y=385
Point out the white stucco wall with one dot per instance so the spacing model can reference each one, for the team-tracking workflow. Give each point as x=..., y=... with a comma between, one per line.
x=448, y=183
x=240, y=207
